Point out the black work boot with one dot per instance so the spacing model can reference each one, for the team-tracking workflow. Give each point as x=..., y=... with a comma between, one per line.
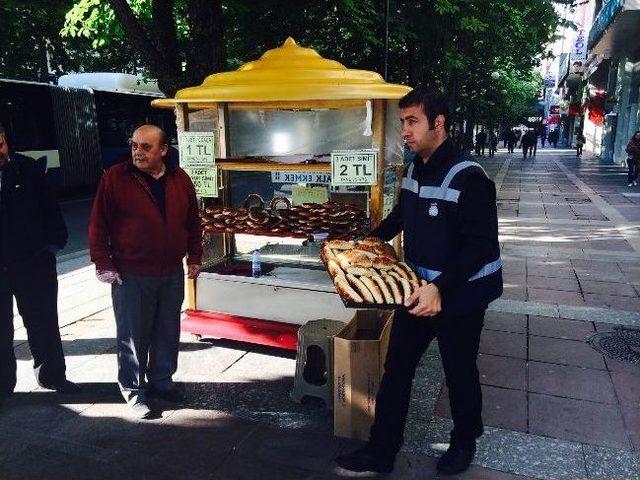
x=457, y=458
x=366, y=460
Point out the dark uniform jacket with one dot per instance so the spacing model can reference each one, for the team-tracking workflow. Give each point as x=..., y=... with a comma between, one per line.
x=448, y=215
x=30, y=218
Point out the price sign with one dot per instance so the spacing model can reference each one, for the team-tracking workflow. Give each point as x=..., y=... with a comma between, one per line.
x=205, y=180
x=354, y=167
x=197, y=149
x=300, y=195
x=300, y=177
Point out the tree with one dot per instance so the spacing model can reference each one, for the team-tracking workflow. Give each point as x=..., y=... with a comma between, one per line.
x=450, y=45
x=34, y=49
x=179, y=42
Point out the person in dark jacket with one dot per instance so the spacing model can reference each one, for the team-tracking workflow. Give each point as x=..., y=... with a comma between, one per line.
x=493, y=143
x=448, y=217
x=144, y=221
x=511, y=140
x=633, y=160
x=31, y=231
x=481, y=142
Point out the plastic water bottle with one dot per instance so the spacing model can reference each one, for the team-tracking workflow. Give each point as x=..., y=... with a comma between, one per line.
x=256, y=267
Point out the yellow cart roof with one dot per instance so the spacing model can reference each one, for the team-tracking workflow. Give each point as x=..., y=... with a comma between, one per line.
x=289, y=75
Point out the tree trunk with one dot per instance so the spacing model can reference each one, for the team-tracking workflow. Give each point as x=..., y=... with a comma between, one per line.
x=208, y=53
x=166, y=70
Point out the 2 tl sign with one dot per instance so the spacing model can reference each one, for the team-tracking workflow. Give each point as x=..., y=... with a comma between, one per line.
x=354, y=167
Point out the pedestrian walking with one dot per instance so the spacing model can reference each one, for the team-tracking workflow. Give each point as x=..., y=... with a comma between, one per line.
x=453, y=244
x=543, y=136
x=481, y=142
x=493, y=143
x=32, y=230
x=580, y=141
x=553, y=138
x=518, y=138
x=144, y=220
x=511, y=140
x=633, y=160
x=534, y=142
x=527, y=143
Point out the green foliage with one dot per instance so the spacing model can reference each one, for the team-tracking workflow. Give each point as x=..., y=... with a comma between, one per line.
x=36, y=51
x=449, y=45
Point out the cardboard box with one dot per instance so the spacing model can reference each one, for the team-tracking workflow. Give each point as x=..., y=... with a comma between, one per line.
x=359, y=352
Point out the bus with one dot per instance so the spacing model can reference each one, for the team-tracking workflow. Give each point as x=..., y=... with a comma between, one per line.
x=80, y=127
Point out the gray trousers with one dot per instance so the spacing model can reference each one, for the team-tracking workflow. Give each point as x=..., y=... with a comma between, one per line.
x=147, y=311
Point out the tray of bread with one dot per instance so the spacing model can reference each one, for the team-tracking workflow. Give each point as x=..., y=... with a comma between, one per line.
x=368, y=274
x=279, y=218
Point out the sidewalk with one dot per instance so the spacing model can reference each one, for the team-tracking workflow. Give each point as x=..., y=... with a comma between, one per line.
x=554, y=408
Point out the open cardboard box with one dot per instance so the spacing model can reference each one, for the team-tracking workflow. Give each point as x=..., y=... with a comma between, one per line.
x=359, y=353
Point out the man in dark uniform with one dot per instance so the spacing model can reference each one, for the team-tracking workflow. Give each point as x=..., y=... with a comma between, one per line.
x=447, y=212
x=31, y=231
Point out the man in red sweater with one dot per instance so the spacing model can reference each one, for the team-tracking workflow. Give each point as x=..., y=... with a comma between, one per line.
x=144, y=221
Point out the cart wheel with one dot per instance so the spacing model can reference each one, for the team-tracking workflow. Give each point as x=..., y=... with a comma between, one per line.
x=198, y=336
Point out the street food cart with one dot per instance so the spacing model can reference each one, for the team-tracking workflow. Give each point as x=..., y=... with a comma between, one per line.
x=274, y=124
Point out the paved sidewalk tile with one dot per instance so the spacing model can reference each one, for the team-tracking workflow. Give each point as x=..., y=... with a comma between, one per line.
x=631, y=415
x=577, y=420
x=502, y=371
x=613, y=301
x=555, y=296
x=501, y=407
x=615, y=365
x=608, y=288
x=560, y=327
x=553, y=283
x=627, y=386
x=566, y=352
x=549, y=270
x=571, y=382
x=514, y=291
x=503, y=343
x=506, y=322
x=601, y=276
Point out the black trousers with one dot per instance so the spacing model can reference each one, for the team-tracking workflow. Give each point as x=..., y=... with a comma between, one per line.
x=34, y=283
x=632, y=172
x=579, y=150
x=458, y=340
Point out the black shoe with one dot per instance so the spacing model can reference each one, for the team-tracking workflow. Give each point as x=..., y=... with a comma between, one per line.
x=173, y=395
x=456, y=459
x=67, y=387
x=366, y=460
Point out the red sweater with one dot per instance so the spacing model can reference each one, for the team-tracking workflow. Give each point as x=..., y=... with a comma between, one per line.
x=127, y=232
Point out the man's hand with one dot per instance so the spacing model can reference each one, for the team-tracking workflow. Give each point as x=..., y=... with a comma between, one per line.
x=429, y=301
x=109, y=276
x=193, y=271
